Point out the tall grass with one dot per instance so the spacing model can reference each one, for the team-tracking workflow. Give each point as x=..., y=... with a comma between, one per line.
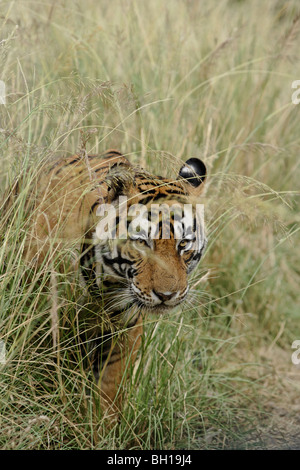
x=160, y=81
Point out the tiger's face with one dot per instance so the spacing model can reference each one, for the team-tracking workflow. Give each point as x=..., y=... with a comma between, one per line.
x=153, y=271
x=148, y=268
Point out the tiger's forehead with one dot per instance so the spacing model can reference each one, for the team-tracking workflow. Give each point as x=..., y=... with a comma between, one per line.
x=150, y=200
x=145, y=181
x=148, y=189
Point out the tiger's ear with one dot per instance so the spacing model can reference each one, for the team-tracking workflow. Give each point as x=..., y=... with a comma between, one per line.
x=119, y=180
x=192, y=175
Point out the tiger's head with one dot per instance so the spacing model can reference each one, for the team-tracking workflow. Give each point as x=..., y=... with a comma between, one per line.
x=154, y=243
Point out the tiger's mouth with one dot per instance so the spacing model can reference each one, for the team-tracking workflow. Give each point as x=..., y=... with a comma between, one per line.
x=154, y=308
x=156, y=301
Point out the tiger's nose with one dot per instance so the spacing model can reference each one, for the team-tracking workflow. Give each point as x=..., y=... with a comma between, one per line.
x=163, y=296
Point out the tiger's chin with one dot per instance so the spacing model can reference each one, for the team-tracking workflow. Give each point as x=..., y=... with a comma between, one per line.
x=159, y=309
x=143, y=307
x=154, y=308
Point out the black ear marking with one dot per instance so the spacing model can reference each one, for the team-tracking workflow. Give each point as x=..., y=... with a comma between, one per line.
x=194, y=171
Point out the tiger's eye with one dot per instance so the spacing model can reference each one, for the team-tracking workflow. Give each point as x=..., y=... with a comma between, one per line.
x=183, y=243
x=141, y=241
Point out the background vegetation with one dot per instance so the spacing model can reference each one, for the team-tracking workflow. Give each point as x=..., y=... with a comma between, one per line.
x=162, y=82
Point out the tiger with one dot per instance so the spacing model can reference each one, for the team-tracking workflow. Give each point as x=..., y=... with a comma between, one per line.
x=124, y=277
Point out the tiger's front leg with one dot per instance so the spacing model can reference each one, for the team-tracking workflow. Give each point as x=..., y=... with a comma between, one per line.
x=116, y=366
